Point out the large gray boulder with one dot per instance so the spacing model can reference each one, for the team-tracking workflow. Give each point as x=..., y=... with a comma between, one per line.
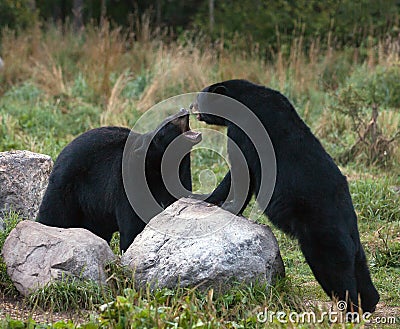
x=193, y=242
x=24, y=176
x=35, y=254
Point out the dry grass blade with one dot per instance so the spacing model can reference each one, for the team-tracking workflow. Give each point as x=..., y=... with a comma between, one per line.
x=176, y=71
x=49, y=76
x=115, y=103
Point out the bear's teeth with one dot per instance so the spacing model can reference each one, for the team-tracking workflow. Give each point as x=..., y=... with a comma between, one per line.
x=193, y=135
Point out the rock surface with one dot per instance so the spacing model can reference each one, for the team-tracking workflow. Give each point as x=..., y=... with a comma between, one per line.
x=24, y=176
x=35, y=254
x=193, y=242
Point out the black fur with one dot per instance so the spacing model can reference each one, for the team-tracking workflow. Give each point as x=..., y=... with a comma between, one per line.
x=86, y=186
x=311, y=199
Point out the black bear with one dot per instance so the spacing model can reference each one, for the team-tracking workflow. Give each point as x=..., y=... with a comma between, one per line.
x=86, y=187
x=311, y=200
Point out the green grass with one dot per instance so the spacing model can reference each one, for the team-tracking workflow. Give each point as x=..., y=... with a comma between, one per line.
x=376, y=200
x=10, y=220
x=43, y=108
x=69, y=294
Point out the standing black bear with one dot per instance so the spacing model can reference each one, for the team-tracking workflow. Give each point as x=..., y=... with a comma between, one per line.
x=86, y=186
x=311, y=199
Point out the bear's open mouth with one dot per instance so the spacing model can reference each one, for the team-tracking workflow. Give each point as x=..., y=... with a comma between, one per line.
x=193, y=136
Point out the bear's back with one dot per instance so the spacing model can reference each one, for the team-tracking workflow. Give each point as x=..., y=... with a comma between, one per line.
x=93, y=150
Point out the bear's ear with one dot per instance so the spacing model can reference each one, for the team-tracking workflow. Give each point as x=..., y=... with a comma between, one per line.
x=219, y=89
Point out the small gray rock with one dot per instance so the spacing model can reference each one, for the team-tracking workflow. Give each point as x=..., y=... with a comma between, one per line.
x=24, y=176
x=35, y=254
x=193, y=242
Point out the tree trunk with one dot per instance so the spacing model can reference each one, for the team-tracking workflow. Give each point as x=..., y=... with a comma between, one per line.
x=211, y=12
x=32, y=5
x=158, y=12
x=77, y=14
x=103, y=9
x=57, y=12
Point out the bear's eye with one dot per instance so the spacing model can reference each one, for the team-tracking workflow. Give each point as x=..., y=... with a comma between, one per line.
x=220, y=89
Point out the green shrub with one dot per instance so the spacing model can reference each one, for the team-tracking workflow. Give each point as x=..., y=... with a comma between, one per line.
x=379, y=86
x=17, y=14
x=363, y=102
x=194, y=308
x=10, y=220
x=134, y=88
x=26, y=92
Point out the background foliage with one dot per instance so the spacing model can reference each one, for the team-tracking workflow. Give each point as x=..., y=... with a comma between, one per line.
x=267, y=23
x=337, y=62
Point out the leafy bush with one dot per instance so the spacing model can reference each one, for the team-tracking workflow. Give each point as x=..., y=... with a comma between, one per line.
x=135, y=87
x=26, y=92
x=16, y=14
x=193, y=308
x=378, y=86
x=365, y=106
x=52, y=90
x=336, y=71
x=278, y=22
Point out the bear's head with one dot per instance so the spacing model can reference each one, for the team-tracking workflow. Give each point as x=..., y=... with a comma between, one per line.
x=205, y=103
x=173, y=130
x=217, y=103
x=176, y=126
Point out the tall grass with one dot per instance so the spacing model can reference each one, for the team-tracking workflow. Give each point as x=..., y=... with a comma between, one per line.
x=7, y=224
x=120, y=73
x=53, y=56
x=57, y=83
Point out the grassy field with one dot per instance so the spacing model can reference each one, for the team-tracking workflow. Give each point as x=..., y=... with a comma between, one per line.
x=57, y=84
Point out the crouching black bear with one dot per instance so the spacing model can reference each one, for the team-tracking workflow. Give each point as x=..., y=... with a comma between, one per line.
x=86, y=187
x=311, y=199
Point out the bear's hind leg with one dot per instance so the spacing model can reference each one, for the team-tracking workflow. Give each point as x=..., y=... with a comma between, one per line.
x=331, y=257
x=59, y=209
x=368, y=294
